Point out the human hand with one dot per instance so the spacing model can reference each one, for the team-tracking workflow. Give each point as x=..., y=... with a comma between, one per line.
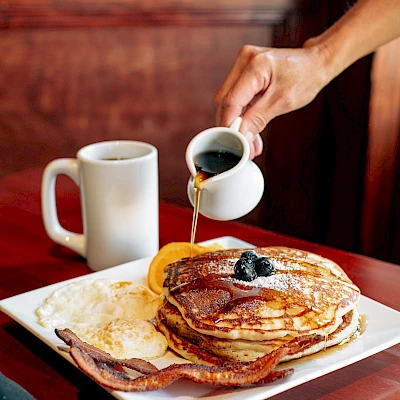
x=266, y=82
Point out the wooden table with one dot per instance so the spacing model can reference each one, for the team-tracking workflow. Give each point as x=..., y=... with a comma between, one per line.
x=30, y=260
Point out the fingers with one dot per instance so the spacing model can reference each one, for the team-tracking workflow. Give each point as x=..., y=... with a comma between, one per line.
x=240, y=90
x=237, y=68
x=256, y=146
x=250, y=93
x=245, y=55
x=257, y=117
x=250, y=83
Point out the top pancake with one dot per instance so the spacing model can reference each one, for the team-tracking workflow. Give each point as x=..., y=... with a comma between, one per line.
x=307, y=294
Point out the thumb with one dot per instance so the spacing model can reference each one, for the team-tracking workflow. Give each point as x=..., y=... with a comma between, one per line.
x=254, y=122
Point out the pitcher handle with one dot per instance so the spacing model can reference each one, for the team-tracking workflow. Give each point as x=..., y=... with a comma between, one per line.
x=235, y=125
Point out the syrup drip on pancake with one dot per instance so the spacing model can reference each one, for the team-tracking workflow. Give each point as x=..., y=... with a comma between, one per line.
x=361, y=327
x=231, y=296
x=231, y=292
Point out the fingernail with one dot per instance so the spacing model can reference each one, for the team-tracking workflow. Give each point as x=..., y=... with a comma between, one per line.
x=249, y=136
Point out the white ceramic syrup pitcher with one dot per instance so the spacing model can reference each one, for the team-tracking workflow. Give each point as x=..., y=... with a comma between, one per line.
x=235, y=192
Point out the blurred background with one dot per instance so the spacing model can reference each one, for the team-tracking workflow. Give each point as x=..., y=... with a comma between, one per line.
x=82, y=71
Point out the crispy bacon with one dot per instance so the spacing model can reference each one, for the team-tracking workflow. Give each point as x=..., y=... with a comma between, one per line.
x=275, y=375
x=104, y=369
x=234, y=374
x=137, y=364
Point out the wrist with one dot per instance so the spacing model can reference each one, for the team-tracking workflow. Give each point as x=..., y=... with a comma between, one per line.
x=323, y=60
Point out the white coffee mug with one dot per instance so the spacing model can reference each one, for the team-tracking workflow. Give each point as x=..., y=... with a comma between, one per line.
x=118, y=182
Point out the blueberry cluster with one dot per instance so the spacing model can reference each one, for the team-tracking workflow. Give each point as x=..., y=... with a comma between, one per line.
x=251, y=265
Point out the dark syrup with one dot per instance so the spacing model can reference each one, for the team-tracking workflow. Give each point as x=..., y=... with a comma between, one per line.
x=212, y=163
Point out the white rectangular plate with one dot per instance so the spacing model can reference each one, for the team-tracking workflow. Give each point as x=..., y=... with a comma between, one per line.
x=383, y=331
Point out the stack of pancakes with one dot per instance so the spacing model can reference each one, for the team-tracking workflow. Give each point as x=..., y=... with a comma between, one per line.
x=209, y=316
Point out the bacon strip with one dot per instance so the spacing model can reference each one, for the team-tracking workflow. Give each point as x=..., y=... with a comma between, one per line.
x=136, y=364
x=233, y=374
x=275, y=375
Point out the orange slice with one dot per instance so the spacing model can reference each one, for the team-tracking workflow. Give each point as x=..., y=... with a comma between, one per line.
x=169, y=253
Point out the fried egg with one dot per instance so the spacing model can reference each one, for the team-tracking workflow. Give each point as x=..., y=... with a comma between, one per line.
x=128, y=338
x=109, y=314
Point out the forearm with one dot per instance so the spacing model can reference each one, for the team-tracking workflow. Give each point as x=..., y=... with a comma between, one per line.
x=366, y=26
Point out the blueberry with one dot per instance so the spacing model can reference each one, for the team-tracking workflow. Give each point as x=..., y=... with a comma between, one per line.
x=244, y=270
x=249, y=255
x=264, y=266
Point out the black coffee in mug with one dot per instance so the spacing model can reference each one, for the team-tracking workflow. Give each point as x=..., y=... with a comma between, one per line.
x=116, y=158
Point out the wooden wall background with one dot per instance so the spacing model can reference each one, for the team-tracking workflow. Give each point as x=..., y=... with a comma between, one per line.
x=77, y=72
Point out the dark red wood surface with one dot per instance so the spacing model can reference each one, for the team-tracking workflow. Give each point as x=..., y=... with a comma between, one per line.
x=30, y=260
x=83, y=71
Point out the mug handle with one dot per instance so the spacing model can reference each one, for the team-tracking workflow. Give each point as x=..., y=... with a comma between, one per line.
x=69, y=167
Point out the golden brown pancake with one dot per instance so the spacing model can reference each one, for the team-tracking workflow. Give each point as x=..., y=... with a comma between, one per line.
x=208, y=350
x=307, y=294
x=233, y=319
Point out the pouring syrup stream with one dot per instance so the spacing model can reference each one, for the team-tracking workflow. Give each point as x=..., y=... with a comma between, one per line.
x=208, y=164
x=198, y=186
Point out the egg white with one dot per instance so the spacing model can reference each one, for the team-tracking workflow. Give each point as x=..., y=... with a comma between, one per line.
x=109, y=314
